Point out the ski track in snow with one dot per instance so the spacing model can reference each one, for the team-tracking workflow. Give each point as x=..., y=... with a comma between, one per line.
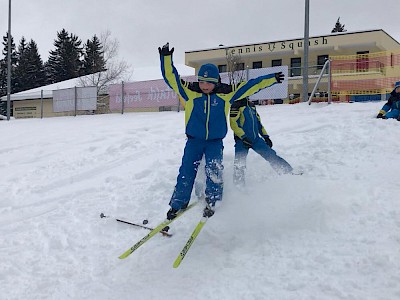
x=332, y=233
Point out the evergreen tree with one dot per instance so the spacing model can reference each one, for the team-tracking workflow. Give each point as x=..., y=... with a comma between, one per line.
x=4, y=64
x=20, y=69
x=3, y=86
x=93, y=60
x=3, y=77
x=36, y=71
x=65, y=61
x=30, y=70
x=338, y=27
x=3, y=72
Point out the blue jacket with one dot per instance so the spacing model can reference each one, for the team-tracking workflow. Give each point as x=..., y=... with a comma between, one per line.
x=393, y=103
x=205, y=114
x=245, y=121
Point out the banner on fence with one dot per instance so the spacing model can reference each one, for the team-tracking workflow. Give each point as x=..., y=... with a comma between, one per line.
x=144, y=94
x=156, y=93
x=85, y=98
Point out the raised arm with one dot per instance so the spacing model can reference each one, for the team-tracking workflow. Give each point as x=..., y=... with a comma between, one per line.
x=252, y=86
x=169, y=72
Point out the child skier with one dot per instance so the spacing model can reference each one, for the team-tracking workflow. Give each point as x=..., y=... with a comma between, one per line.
x=392, y=108
x=247, y=128
x=206, y=109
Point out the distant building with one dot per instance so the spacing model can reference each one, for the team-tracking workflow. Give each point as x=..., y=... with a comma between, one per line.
x=360, y=56
x=68, y=98
x=39, y=102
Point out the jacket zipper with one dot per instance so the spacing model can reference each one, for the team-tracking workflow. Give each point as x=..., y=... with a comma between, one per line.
x=207, y=110
x=252, y=118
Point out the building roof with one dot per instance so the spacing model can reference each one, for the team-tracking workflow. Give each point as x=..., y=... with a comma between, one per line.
x=47, y=90
x=294, y=39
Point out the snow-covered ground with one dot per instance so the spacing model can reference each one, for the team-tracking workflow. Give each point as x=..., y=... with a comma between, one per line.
x=333, y=233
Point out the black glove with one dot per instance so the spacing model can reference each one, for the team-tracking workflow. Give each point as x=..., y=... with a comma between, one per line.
x=164, y=51
x=247, y=142
x=267, y=140
x=279, y=77
x=398, y=118
x=381, y=116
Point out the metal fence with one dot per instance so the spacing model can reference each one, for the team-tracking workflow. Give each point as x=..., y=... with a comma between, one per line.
x=156, y=95
x=151, y=95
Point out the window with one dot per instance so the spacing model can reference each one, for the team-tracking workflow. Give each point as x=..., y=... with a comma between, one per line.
x=257, y=64
x=362, y=61
x=276, y=62
x=295, y=66
x=239, y=66
x=222, y=68
x=321, y=59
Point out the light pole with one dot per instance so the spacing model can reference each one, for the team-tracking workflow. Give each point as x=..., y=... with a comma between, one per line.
x=306, y=38
x=9, y=63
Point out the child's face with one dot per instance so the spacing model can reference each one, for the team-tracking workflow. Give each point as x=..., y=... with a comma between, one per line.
x=397, y=90
x=206, y=87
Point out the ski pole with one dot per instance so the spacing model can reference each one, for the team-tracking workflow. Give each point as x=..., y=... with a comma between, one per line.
x=102, y=215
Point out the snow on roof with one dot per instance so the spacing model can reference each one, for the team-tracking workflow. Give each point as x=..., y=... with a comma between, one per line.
x=139, y=74
x=47, y=90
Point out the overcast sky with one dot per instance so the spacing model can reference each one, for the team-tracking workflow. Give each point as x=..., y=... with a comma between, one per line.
x=142, y=26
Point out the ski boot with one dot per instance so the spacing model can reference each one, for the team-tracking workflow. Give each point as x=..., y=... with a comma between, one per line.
x=171, y=214
x=209, y=210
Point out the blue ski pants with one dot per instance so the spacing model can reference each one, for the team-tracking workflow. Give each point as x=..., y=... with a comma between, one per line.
x=394, y=113
x=193, y=153
x=280, y=165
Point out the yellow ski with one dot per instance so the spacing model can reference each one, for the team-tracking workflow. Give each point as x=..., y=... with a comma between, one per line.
x=154, y=232
x=190, y=241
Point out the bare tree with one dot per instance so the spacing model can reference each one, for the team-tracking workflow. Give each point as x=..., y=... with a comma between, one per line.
x=116, y=70
x=235, y=68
